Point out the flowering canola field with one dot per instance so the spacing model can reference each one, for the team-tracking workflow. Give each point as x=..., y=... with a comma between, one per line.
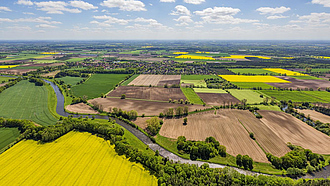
x=244, y=57
x=49, y=53
x=180, y=52
x=194, y=57
x=243, y=78
x=74, y=159
x=8, y=66
x=283, y=71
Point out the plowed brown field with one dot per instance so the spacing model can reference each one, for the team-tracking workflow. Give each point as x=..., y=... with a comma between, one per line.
x=149, y=108
x=301, y=83
x=81, y=108
x=291, y=129
x=155, y=80
x=216, y=99
x=316, y=115
x=224, y=126
x=149, y=93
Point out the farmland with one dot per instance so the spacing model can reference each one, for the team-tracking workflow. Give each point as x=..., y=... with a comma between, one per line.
x=302, y=83
x=5, y=79
x=256, y=71
x=209, y=90
x=192, y=96
x=251, y=96
x=314, y=115
x=149, y=108
x=70, y=80
x=81, y=108
x=125, y=83
x=155, y=80
x=76, y=158
x=149, y=93
x=295, y=96
x=27, y=101
x=97, y=84
x=7, y=136
x=244, y=78
x=198, y=83
x=196, y=77
x=216, y=99
x=246, y=56
x=283, y=71
x=248, y=85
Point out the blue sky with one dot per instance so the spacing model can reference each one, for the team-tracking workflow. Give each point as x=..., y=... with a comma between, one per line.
x=165, y=19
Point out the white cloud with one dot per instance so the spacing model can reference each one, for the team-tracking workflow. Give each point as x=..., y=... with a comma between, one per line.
x=167, y=1
x=195, y=2
x=3, y=8
x=272, y=11
x=125, y=5
x=82, y=5
x=185, y=19
x=112, y=20
x=143, y=20
x=19, y=27
x=45, y=26
x=24, y=2
x=325, y=3
x=101, y=24
x=55, y=7
x=28, y=13
x=45, y=20
x=316, y=18
x=222, y=15
x=277, y=17
x=180, y=10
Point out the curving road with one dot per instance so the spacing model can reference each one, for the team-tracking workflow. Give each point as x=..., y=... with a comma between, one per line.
x=163, y=152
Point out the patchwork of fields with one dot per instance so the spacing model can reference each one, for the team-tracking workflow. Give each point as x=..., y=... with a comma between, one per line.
x=254, y=79
x=251, y=96
x=74, y=159
x=155, y=80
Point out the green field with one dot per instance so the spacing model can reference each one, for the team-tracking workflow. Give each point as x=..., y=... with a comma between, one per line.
x=70, y=80
x=251, y=96
x=295, y=96
x=306, y=77
x=27, y=101
x=5, y=79
x=97, y=84
x=252, y=71
x=192, y=96
x=7, y=136
x=209, y=90
x=319, y=94
x=197, y=77
x=75, y=59
x=125, y=83
x=321, y=70
x=268, y=107
x=250, y=85
x=24, y=57
x=200, y=83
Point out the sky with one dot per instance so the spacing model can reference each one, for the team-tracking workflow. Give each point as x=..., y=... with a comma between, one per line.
x=165, y=20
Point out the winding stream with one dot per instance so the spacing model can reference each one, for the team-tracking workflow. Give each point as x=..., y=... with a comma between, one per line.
x=163, y=152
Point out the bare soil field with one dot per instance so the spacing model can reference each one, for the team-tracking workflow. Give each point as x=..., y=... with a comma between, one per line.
x=216, y=99
x=141, y=122
x=149, y=93
x=301, y=83
x=81, y=108
x=291, y=129
x=149, y=108
x=16, y=71
x=156, y=80
x=315, y=115
x=224, y=126
x=50, y=74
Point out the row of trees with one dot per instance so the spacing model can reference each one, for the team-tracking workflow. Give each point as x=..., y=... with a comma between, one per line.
x=244, y=161
x=10, y=84
x=177, y=112
x=36, y=81
x=201, y=149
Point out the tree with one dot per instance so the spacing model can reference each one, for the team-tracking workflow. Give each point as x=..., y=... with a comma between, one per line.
x=123, y=96
x=185, y=120
x=252, y=135
x=179, y=111
x=244, y=101
x=132, y=115
x=239, y=160
x=265, y=101
x=185, y=110
x=153, y=125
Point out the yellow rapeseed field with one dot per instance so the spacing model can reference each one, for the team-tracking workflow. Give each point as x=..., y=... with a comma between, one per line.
x=321, y=57
x=244, y=57
x=8, y=66
x=202, y=52
x=74, y=159
x=253, y=79
x=283, y=71
x=49, y=53
x=180, y=52
x=194, y=57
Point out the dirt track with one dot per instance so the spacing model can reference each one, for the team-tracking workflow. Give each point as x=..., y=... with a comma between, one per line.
x=216, y=99
x=149, y=93
x=81, y=108
x=149, y=108
x=301, y=83
x=156, y=80
x=291, y=129
x=316, y=115
x=224, y=126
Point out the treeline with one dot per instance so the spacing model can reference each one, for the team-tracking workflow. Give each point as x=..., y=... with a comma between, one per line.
x=297, y=160
x=11, y=83
x=246, y=161
x=201, y=149
x=36, y=81
x=175, y=112
x=72, y=73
